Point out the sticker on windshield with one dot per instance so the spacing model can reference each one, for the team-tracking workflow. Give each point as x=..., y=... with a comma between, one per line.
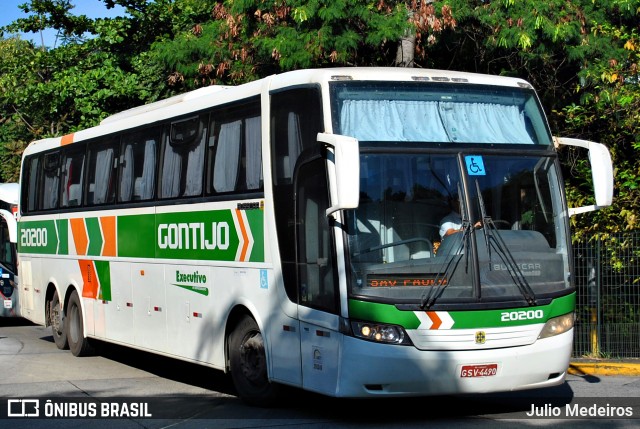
x=475, y=165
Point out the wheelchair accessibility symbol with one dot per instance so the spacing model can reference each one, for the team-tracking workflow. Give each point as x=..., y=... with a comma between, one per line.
x=264, y=282
x=475, y=165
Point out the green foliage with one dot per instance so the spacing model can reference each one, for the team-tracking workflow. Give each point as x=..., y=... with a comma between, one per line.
x=246, y=39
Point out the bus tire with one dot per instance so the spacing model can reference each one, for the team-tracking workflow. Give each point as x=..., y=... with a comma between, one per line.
x=57, y=321
x=248, y=362
x=78, y=343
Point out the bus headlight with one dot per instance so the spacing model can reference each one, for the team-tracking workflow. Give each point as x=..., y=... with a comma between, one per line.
x=557, y=325
x=380, y=333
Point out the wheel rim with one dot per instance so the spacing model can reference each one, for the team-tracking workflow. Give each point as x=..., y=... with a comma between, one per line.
x=57, y=321
x=252, y=359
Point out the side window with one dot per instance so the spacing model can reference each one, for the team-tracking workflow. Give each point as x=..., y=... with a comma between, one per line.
x=72, y=177
x=48, y=196
x=7, y=252
x=226, y=156
x=30, y=185
x=252, y=155
x=295, y=123
x=296, y=120
x=234, y=150
x=183, y=158
x=101, y=184
x=138, y=156
x=318, y=286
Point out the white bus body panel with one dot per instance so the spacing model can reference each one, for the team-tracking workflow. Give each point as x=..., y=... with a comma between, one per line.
x=406, y=371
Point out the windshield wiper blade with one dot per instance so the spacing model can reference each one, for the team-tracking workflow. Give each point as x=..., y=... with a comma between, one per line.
x=495, y=241
x=442, y=280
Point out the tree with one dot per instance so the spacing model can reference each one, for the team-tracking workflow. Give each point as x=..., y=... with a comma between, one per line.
x=582, y=57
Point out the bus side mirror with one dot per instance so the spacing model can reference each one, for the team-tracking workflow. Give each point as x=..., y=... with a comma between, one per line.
x=601, y=172
x=12, y=225
x=343, y=170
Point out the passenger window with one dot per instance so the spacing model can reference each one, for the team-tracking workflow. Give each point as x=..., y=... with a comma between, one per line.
x=138, y=165
x=31, y=177
x=72, y=175
x=235, y=151
x=227, y=156
x=183, y=158
x=102, y=170
x=51, y=181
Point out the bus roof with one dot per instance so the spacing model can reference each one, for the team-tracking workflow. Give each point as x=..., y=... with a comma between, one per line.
x=392, y=74
x=180, y=98
x=9, y=192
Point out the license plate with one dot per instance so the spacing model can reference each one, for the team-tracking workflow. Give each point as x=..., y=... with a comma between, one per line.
x=486, y=370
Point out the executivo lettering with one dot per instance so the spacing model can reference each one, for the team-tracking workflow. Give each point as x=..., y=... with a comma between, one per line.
x=190, y=278
x=194, y=235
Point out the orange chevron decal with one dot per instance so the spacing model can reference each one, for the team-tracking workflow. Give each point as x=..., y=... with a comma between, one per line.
x=108, y=224
x=245, y=237
x=435, y=319
x=67, y=139
x=89, y=277
x=79, y=235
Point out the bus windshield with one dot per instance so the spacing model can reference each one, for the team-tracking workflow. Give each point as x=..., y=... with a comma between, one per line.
x=438, y=113
x=422, y=218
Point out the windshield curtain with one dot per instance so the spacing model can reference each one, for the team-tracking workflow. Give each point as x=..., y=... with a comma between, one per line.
x=438, y=113
x=509, y=208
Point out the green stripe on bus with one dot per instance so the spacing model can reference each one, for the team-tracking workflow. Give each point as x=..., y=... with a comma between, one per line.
x=136, y=236
x=209, y=235
x=383, y=313
x=472, y=319
x=104, y=276
x=63, y=236
x=256, y=225
x=95, y=236
x=205, y=235
x=513, y=316
x=38, y=237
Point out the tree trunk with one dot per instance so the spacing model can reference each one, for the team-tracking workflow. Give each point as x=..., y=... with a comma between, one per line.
x=406, y=47
x=406, y=50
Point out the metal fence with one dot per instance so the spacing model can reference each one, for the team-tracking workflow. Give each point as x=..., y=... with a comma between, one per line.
x=608, y=297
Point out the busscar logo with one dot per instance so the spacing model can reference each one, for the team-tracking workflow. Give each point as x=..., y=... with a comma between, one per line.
x=23, y=408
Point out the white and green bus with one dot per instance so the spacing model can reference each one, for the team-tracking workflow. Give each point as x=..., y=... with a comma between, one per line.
x=287, y=231
x=9, y=194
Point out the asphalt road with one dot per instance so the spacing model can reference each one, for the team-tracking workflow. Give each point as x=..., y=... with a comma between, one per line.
x=133, y=385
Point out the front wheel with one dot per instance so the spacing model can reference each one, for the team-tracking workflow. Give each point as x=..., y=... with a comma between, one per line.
x=78, y=343
x=57, y=320
x=248, y=362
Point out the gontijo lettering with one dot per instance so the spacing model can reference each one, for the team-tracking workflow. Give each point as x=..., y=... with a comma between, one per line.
x=193, y=235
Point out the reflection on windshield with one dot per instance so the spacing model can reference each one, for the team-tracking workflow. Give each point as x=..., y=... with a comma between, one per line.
x=408, y=232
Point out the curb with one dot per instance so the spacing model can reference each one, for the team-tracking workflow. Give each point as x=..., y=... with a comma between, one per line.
x=604, y=368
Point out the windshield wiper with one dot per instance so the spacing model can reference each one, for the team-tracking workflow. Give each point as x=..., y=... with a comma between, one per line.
x=441, y=281
x=495, y=241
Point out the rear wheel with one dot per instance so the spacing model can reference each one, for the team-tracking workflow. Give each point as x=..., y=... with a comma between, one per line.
x=57, y=320
x=248, y=362
x=78, y=343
